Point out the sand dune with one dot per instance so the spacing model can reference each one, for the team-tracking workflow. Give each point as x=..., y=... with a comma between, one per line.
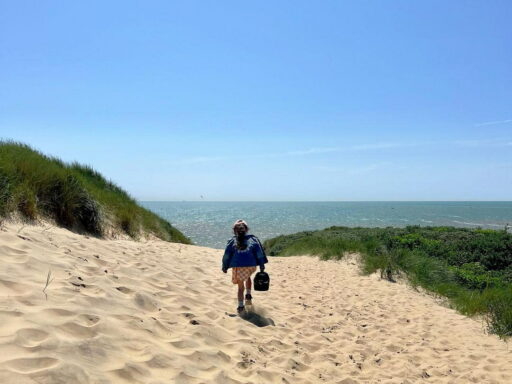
x=119, y=311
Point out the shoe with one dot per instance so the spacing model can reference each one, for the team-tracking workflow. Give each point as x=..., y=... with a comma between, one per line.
x=248, y=299
x=240, y=309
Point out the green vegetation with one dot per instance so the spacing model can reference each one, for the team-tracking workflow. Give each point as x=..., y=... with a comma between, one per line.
x=75, y=196
x=470, y=267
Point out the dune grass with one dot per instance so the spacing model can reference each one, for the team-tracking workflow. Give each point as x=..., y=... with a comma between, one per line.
x=77, y=197
x=472, y=268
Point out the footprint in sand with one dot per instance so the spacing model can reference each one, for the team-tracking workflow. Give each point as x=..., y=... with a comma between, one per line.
x=184, y=343
x=124, y=290
x=159, y=361
x=13, y=288
x=31, y=365
x=8, y=319
x=183, y=378
x=78, y=331
x=30, y=337
x=13, y=255
x=144, y=302
x=131, y=372
x=88, y=320
x=51, y=312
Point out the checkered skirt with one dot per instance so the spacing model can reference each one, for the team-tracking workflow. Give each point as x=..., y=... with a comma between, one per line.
x=241, y=274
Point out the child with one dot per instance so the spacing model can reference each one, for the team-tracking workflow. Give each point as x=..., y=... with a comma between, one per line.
x=243, y=253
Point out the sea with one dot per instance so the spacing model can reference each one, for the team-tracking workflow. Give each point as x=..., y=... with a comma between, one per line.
x=209, y=223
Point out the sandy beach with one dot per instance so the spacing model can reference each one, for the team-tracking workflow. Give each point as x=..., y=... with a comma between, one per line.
x=120, y=311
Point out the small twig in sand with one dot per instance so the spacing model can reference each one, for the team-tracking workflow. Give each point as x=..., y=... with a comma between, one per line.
x=19, y=230
x=49, y=279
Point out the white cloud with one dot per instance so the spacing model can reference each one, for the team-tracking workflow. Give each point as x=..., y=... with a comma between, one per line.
x=299, y=152
x=357, y=170
x=493, y=122
x=198, y=160
x=484, y=142
x=359, y=147
x=369, y=168
x=313, y=151
x=365, y=147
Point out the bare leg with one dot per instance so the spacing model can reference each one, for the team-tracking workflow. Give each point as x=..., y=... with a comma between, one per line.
x=248, y=285
x=240, y=291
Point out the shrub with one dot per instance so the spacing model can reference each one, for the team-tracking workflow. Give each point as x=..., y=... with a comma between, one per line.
x=499, y=312
x=475, y=276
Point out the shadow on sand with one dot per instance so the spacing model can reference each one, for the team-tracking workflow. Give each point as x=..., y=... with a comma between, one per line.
x=252, y=316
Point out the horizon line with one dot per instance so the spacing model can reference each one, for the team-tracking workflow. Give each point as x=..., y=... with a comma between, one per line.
x=324, y=201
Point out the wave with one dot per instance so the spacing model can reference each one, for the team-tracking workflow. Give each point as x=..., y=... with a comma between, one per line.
x=478, y=224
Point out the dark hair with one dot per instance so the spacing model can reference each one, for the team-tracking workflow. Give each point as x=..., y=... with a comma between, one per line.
x=240, y=242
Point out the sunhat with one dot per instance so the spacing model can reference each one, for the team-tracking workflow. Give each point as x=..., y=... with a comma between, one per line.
x=240, y=221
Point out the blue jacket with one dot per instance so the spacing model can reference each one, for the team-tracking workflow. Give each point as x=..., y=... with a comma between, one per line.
x=251, y=256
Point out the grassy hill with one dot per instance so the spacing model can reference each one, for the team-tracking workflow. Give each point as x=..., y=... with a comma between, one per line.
x=33, y=185
x=470, y=267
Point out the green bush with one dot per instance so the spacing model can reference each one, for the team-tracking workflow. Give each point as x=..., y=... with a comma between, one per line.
x=476, y=276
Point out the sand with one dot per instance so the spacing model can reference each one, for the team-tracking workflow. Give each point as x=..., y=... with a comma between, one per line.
x=120, y=311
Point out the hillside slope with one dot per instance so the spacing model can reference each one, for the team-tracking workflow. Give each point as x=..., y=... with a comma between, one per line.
x=35, y=186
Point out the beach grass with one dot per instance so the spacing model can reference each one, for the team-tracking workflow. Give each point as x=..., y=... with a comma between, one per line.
x=33, y=185
x=471, y=268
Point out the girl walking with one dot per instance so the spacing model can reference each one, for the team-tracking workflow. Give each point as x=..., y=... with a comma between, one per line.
x=243, y=254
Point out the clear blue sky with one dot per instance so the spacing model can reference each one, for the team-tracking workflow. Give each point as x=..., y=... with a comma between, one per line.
x=267, y=100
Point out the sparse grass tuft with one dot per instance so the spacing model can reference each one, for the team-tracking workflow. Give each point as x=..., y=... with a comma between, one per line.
x=49, y=279
x=499, y=309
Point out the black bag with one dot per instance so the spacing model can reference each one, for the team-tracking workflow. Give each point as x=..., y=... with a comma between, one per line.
x=261, y=281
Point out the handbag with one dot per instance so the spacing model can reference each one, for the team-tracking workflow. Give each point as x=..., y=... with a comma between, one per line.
x=261, y=281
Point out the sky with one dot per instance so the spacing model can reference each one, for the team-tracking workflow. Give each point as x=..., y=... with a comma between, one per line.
x=267, y=100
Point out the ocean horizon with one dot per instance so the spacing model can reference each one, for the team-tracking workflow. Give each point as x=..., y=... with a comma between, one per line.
x=208, y=223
